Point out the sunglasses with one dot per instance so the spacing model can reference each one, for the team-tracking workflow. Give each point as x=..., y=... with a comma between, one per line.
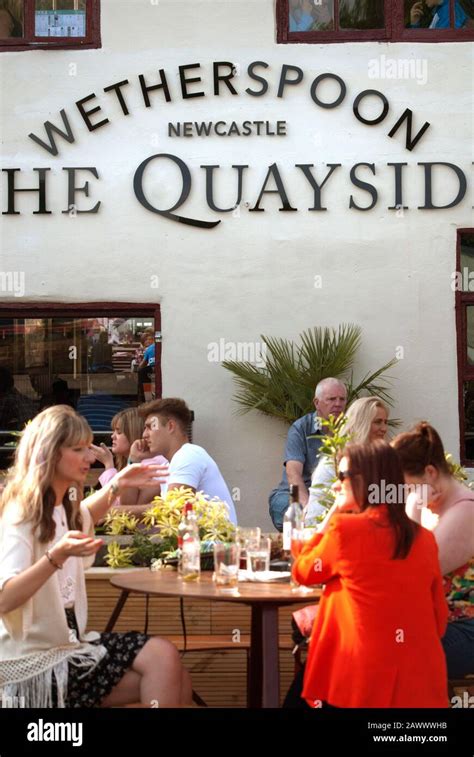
x=343, y=474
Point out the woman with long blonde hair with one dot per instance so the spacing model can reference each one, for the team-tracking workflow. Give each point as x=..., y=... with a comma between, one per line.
x=46, y=542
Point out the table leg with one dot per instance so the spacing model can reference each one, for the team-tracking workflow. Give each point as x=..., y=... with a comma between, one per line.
x=264, y=668
x=117, y=610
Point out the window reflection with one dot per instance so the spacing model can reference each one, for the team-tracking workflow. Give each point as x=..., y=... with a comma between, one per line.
x=435, y=14
x=96, y=365
x=468, y=420
x=467, y=258
x=11, y=18
x=310, y=16
x=470, y=334
x=361, y=14
x=60, y=18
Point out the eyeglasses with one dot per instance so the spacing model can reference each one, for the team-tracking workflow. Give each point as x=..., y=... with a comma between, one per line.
x=343, y=474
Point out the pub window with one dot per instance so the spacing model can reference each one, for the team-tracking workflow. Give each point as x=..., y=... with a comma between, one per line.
x=364, y=20
x=33, y=24
x=463, y=282
x=98, y=361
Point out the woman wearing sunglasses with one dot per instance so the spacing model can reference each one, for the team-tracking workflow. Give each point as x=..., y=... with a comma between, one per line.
x=376, y=639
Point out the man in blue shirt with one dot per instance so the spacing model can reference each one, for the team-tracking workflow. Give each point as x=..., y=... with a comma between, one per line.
x=439, y=14
x=301, y=451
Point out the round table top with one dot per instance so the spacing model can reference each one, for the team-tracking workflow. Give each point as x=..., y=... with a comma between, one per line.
x=169, y=584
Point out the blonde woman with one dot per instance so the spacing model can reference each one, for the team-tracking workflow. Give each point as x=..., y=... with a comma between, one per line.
x=46, y=542
x=366, y=422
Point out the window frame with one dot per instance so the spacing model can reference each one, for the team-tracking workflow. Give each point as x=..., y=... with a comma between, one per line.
x=465, y=371
x=29, y=41
x=92, y=309
x=394, y=31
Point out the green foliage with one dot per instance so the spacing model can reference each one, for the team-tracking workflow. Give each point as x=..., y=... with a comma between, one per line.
x=457, y=471
x=119, y=557
x=119, y=522
x=155, y=538
x=148, y=548
x=332, y=444
x=284, y=387
x=334, y=440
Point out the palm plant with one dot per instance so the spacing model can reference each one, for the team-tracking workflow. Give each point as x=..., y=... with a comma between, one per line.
x=284, y=387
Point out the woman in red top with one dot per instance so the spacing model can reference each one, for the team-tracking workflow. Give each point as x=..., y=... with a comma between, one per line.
x=376, y=638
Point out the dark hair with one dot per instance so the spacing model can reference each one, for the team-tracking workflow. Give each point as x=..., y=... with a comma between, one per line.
x=420, y=447
x=378, y=465
x=168, y=407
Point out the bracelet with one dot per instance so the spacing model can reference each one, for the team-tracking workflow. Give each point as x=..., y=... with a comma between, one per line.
x=53, y=562
x=130, y=461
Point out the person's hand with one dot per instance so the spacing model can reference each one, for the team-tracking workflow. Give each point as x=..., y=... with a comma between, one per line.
x=103, y=454
x=137, y=475
x=139, y=451
x=74, y=544
x=416, y=13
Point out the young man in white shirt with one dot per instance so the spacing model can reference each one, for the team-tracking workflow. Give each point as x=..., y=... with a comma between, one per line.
x=166, y=424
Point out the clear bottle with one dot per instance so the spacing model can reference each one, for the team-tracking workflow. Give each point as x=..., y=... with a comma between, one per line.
x=189, y=545
x=293, y=526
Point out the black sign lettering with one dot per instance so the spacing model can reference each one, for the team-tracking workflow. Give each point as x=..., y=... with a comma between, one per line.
x=186, y=188
x=50, y=128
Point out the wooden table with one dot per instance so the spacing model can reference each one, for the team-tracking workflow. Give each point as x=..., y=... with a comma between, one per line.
x=264, y=600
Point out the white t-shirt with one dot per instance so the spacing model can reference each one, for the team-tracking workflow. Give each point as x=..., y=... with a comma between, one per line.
x=192, y=466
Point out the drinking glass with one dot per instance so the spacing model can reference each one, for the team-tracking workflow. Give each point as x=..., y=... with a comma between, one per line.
x=298, y=538
x=247, y=537
x=258, y=556
x=226, y=564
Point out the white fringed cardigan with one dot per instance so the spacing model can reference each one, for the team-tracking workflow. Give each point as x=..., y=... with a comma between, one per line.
x=36, y=643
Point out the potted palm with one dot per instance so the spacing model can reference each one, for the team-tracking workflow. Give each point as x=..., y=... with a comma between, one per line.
x=284, y=386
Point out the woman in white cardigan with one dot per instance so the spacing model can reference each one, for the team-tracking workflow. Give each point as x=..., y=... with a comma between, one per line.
x=46, y=542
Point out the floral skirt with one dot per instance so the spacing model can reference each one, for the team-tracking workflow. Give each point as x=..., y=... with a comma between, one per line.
x=122, y=648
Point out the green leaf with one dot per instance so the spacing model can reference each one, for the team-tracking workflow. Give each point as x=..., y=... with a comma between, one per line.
x=284, y=387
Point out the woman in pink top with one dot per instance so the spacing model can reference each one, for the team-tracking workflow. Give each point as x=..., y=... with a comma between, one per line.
x=446, y=507
x=127, y=428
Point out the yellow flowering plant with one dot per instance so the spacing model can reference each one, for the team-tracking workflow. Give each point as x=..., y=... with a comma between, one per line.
x=155, y=537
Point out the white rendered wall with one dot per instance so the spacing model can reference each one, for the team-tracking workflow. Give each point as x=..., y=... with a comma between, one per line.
x=253, y=273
